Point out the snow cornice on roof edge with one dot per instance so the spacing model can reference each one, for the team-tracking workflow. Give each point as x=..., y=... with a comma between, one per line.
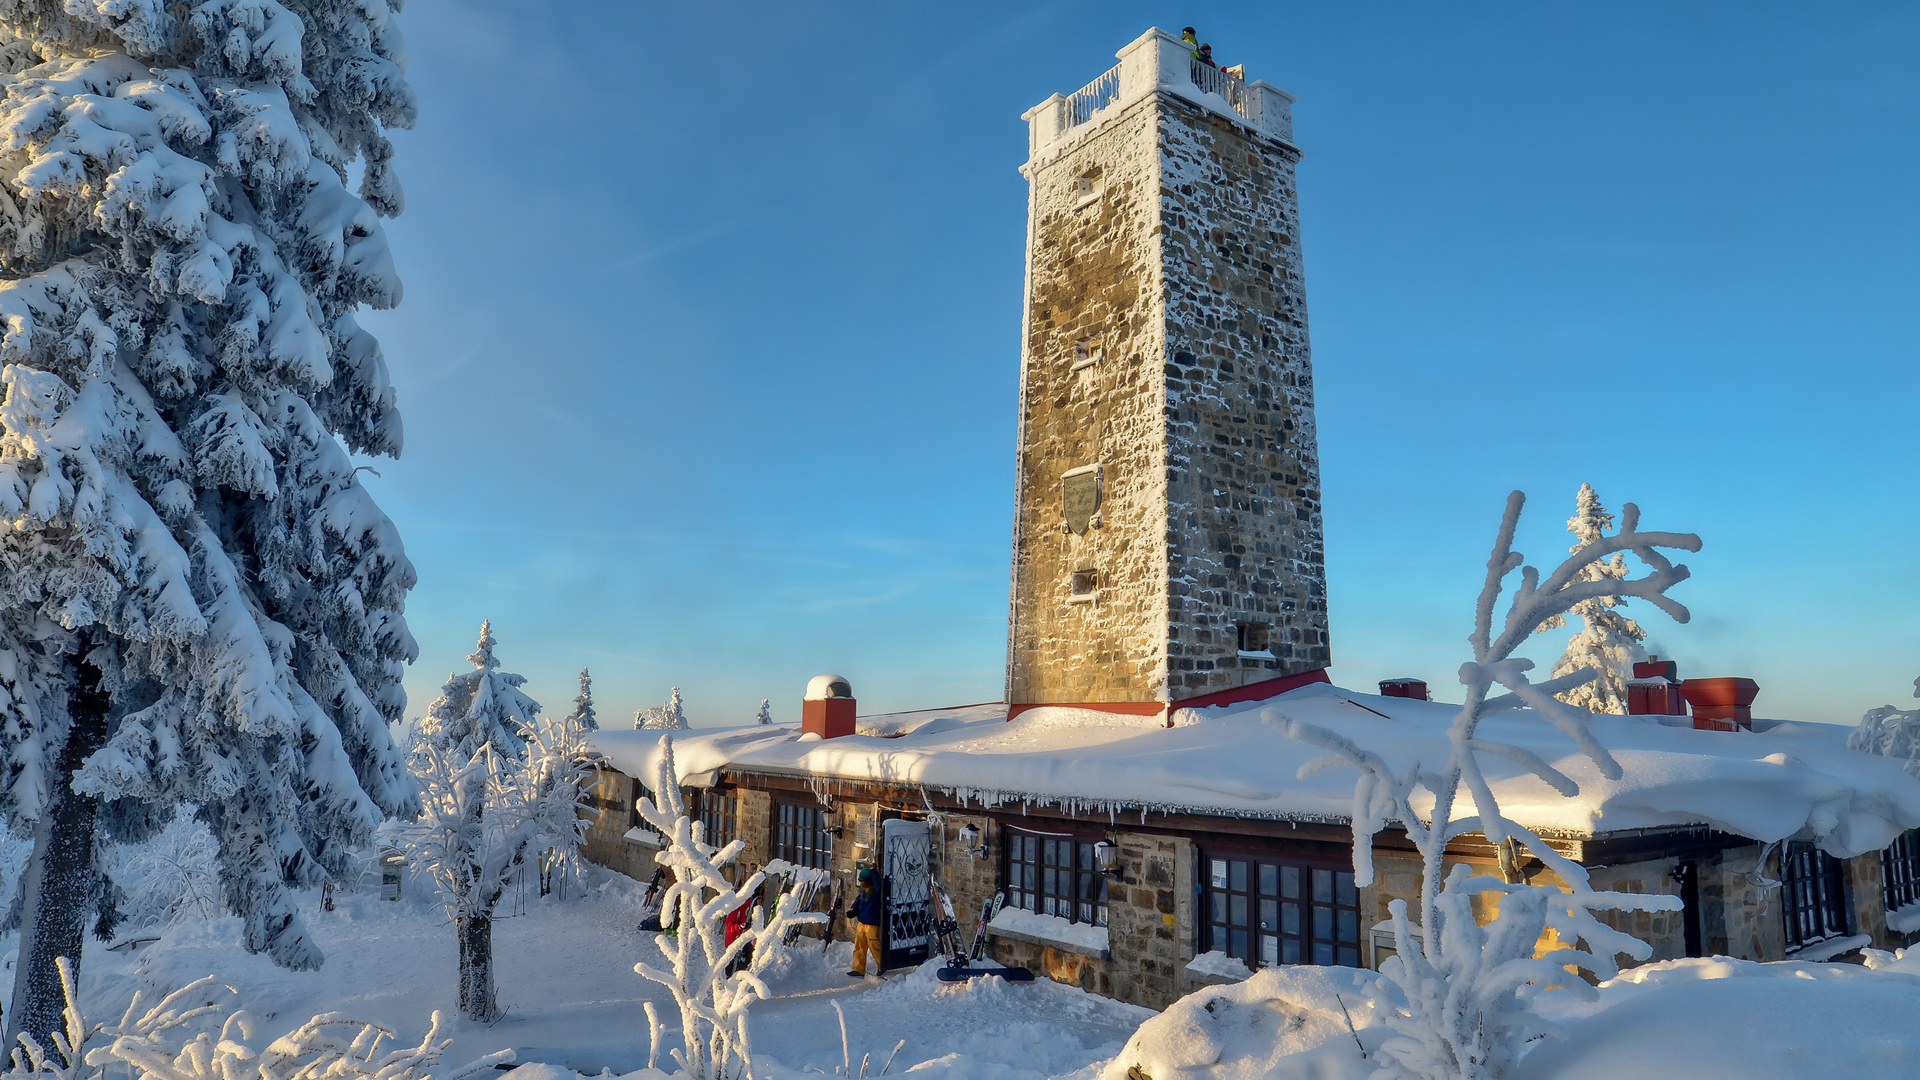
x=1792, y=781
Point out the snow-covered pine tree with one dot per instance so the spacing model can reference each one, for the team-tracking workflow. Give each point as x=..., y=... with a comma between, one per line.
x=200, y=602
x=582, y=716
x=481, y=707
x=1607, y=641
x=668, y=716
x=1891, y=732
x=766, y=713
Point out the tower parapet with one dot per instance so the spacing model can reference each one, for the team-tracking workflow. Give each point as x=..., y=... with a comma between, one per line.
x=1168, y=539
x=1156, y=61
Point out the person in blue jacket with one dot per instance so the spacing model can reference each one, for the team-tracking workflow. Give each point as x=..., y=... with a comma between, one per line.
x=868, y=913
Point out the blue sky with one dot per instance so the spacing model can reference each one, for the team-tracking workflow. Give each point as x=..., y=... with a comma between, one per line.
x=710, y=343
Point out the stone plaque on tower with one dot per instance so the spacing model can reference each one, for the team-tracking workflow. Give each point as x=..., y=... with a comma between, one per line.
x=1165, y=336
x=1080, y=499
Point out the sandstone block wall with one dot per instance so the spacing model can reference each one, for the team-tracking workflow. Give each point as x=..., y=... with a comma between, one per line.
x=1166, y=344
x=1091, y=395
x=1244, y=529
x=606, y=843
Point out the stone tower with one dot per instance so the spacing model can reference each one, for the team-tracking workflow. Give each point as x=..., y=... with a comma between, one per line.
x=1167, y=537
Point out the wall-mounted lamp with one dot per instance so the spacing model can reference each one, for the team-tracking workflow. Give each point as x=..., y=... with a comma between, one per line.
x=972, y=842
x=1106, y=856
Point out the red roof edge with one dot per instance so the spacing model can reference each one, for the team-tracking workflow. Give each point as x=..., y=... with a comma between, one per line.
x=1258, y=691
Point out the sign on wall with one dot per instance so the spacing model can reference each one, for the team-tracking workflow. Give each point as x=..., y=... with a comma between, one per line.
x=1080, y=497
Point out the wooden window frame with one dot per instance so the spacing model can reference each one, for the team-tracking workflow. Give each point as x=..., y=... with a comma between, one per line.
x=1813, y=895
x=1325, y=931
x=1037, y=880
x=1900, y=870
x=801, y=834
x=719, y=813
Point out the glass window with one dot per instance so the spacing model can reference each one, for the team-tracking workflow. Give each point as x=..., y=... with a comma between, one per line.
x=634, y=820
x=1813, y=894
x=719, y=813
x=801, y=836
x=1056, y=875
x=1900, y=870
x=1267, y=912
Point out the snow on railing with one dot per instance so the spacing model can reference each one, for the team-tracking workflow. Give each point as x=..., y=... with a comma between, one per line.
x=1091, y=98
x=1160, y=61
x=1213, y=80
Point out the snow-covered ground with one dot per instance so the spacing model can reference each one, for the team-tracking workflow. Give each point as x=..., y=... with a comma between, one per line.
x=1708, y=1019
x=573, y=1004
x=571, y=999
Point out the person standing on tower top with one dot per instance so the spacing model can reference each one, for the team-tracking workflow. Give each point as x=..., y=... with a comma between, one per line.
x=1193, y=41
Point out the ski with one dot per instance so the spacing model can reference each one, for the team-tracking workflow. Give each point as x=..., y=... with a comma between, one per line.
x=946, y=927
x=987, y=912
x=833, y=914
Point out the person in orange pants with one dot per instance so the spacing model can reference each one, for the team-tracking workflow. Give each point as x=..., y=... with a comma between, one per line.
x=868, y=913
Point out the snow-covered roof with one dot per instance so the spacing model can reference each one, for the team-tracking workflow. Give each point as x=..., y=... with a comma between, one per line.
x=1789, y=779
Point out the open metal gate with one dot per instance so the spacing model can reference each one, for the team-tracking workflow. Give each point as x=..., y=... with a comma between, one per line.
x=906, y=845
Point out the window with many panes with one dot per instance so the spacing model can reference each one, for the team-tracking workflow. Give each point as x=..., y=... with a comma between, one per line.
x=634, y=820
x=1269, y=911
x=718, y=812
x=801, y=835
x=1900, y=870
x=1813, y=894
x=1056, y=875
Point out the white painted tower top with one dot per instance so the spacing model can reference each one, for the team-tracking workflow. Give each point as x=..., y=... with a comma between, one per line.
x=1156, y=60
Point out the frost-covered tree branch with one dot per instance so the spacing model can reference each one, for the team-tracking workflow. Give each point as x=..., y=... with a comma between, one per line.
x=709, y=985
x=1466, y=984
x=194, y=1033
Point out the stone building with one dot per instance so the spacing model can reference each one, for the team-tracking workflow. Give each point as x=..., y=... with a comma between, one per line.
x=1141, y=861
x=1167, y=538
x=1144, y=820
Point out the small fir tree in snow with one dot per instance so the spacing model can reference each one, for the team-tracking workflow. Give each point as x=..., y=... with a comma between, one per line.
x=485, y=815
x=1468, y=986
x=712, y=997
x=199, y=603
x=482, y=707
x=582, y=716
x=668, y=716
x=1891, y=732
x=497, y=783
x=766, y=713
x=1607, y=643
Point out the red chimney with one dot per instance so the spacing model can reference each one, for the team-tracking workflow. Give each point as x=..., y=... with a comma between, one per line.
x=1722, y=704
x=1407, y=688
x=1655, y=689
x=827, y=710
